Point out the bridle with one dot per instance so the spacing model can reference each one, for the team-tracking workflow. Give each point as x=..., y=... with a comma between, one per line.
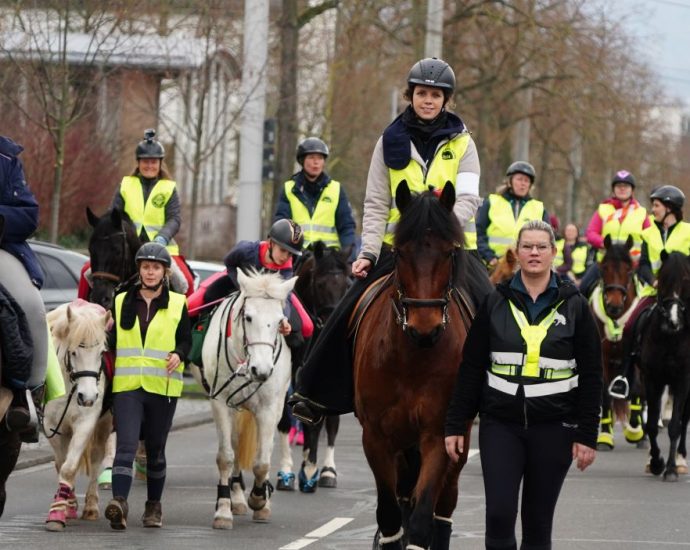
x=117, y=279
x=623, y=289
x=401, y=303
x=664, y=305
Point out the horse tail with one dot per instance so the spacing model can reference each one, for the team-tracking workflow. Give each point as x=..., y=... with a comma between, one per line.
x=620, y=409
x=245, y=427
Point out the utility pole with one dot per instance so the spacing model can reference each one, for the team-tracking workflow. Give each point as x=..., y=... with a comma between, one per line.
x=253, y=91
x=433, y=45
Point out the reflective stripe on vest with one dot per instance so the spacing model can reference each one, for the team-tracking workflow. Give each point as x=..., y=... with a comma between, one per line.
x=150, y=216
x=533, y=390
x=578, y=254
x=320, y=226
x=503, y=227
x=471, y=234
x=678, y=241
x=619, y=232
x=139, y=365
x=444, y=167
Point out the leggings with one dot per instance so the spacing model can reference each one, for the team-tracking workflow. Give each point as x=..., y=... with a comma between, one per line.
x=15, y=279
x=149, y=414
x=537, y=457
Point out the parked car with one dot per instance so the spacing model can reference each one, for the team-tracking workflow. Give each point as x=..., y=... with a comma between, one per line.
x=61, y=270
x=204, y=270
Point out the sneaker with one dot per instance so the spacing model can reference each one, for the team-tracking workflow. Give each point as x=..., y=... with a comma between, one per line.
x=116, y=513
x=153, y=515
x=619, y=387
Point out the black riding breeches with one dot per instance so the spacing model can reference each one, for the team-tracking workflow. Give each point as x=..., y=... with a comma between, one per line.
x=538, y=457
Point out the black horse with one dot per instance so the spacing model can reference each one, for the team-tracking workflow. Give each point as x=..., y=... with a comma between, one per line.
x=323, y=279
x=112, y=247
x=665, y=360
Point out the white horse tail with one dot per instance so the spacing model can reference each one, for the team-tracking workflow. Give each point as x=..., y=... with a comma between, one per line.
x=245, y=428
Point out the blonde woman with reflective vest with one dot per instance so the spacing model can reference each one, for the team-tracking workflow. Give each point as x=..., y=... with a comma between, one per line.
x=571, y=254
x=425, y=146
x=618, y=217
x=316, y=202
x=150, y=199
x=151, y=336
x=531, y=369
x=668, y=233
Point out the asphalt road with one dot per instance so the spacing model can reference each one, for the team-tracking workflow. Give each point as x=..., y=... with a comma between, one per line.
x=612, y=505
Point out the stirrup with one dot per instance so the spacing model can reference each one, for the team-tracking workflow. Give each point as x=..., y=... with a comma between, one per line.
x=619, y=387
x=304, y=413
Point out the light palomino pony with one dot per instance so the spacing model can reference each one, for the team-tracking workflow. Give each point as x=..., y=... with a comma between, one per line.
x=248, y=369
x=74, y=424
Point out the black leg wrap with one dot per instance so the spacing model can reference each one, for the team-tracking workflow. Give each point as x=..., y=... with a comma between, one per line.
x=441, y=534
x=223, y=491
x=238, y=479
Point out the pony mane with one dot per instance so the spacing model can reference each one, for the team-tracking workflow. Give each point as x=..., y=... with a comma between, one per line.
x=84, y=327
x=617, y=253
x=262, y=285
x=674, y=272
x=425, y=212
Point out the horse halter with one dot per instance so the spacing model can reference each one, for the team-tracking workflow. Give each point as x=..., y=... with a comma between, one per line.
x=406, y=303
x=623, y=289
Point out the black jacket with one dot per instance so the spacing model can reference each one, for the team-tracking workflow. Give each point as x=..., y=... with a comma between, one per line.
x=16, y=344
x=580, y=337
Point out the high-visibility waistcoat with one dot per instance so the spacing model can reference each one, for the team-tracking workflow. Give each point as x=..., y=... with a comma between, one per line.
x=619, y=232
x=142, y=364
x=578, y=253
x=319, y=226
x=150, y=216
x=444, y=167
x=554, y=375
x=678, y=241
x=503, y=227
x=471, y=234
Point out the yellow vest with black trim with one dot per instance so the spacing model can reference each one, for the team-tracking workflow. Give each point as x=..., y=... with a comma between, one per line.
x=678, y=241
x=503, y=227
x=579, y=255
x=444, y=167
x=319, y=226
x=619, y=232
x=150, y=216
x=143, y=364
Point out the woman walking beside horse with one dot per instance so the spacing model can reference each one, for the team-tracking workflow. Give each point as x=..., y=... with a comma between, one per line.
x=532, y=369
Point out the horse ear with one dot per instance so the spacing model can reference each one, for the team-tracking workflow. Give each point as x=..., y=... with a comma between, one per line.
x=664, y=255
x=286, y=287
x=607, y=242
x=242, y=278
x=511, y=258
x=106, y=318
x=116, y=217
x=319, y=249
x=345, y=253
x=403, y=197
x=448, y=196
x=93, y=219
x=629, y=242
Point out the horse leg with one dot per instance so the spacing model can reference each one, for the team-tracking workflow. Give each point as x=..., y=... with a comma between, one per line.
x=309, y=472
x=99, y=442
x=383, y=465
x=605, y=438
x=10, y=445
x=329, y=476
x=656, y=462
x=674, y=429
x=286, y=477
x=223, y=518
x=682, y=454
x=260, y=495
x=632, y=428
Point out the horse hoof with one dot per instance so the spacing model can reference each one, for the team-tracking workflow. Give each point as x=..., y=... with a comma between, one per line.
x=239, y=509
x=329, y=478
x=286, y=481
x=308, y=485
x=55, y=526
x=670, y=475
x=263, y=515
x=256, y=503
x=605, y=447
x=222, y=523
x=633, y=435
x=656, y=466
x=605, y=442
x=90, y=515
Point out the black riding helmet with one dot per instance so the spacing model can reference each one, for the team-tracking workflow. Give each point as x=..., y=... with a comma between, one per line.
x=150, y=148
x=623, y=176
x=287, y=234
x=670, y=195
x=311, y=145
x=522, y=167
x=153, y=252
x=433, y=72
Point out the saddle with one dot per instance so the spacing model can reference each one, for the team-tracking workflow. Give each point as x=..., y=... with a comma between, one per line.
x=365, y=300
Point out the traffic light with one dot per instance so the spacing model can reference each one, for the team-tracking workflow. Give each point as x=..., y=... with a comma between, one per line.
x=269, y=150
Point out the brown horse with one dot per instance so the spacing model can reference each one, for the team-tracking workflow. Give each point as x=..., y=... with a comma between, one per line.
x=505, y=268
x=612, y=303
x=406, y=356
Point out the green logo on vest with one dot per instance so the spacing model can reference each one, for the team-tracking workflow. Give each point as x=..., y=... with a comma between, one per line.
x=448, y=154
x=158, y=201
x=326, y=199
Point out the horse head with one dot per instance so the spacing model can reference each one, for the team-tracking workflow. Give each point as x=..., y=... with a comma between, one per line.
x=112, y=247
x=78, y=329
x=617, y=277
x=505, y=268
x=673, y=292
x=426, y=237
x=255, y=326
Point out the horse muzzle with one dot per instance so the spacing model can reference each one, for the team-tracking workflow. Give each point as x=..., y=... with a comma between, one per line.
x=86, y=399
x=426, y=339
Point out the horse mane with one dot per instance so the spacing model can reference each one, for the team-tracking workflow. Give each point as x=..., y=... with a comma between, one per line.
x=617, y=253
x=263, y=285
x=84, y=325
x=675, y=270
x=425, y=212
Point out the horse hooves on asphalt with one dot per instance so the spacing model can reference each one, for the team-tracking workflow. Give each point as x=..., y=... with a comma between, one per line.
x=262, y=515
x=656, y=466
x=308, y=485
x=286, y=481
x=222, y=523
x=329, y=478
x=670, y=475
x=55, y=526
x=605, y=447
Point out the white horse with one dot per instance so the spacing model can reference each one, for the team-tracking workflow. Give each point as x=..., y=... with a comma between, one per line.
x=75, y=424
x=248, y=371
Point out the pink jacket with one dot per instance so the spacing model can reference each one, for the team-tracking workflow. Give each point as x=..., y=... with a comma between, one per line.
x=596, y=224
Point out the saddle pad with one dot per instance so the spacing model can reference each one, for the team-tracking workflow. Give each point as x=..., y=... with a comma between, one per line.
x=365, y=300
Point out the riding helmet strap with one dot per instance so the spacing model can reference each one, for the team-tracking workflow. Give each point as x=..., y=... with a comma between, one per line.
x=533, y=335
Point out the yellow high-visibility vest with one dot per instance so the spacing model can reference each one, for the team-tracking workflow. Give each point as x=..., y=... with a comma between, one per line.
x=319, y=226
x=619, y=232
x=143, y=364
x=150, y=216
x=471, y=234
x=503, y=228
x=578, y=253
x=678, y=241
x=444, y=168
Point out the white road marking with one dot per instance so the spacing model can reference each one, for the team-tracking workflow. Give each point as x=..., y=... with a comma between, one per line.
x=316, y=534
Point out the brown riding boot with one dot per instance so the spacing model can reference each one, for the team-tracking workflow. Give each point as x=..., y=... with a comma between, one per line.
x=116, y=512
x=153, y=515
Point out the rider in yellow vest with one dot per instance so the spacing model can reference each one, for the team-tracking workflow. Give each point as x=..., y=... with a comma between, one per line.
x=315, y=201
x=571, y=254
x=502, y=215
x=151, y=336
x=669, y=233
x=150, y=199
x=619, y=217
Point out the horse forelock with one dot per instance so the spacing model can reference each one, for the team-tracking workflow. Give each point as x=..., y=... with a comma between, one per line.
x=425, y=212
x=83, y=326
x=263, y=285
x=617, y=253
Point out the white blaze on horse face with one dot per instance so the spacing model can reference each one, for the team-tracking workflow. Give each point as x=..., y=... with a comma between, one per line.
x=673, y=312
x=262, y=317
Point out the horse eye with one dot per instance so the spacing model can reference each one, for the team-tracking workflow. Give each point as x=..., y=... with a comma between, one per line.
x=248, y=318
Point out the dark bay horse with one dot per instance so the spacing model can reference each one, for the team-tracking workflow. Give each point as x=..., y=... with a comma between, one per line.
x=612, y=303
x=406, y=355
x=323, y=279
x=665, y=360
